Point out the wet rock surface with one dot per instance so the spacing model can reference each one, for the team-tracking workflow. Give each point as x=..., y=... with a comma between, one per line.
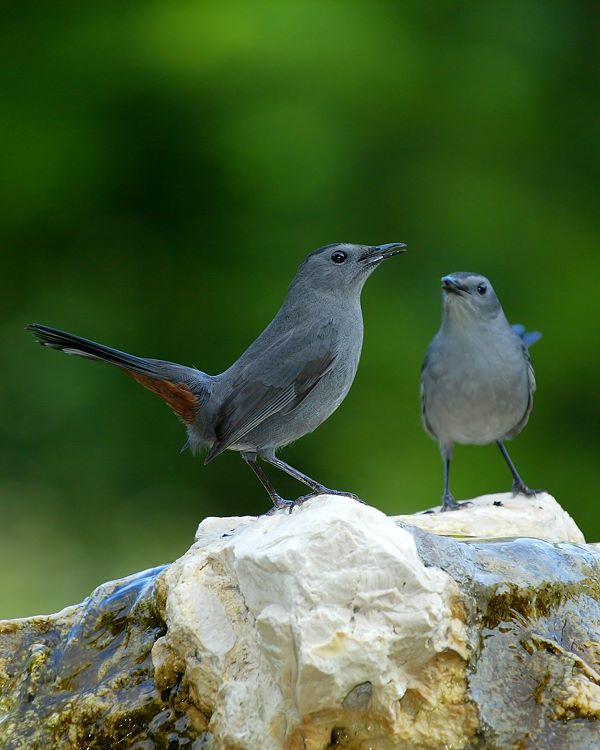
x=534, y=612
x=333, y=627
x=83, y=678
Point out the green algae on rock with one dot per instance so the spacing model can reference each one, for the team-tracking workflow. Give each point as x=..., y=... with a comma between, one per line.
x=83, y=678
x=535, y=623
x=491, y=645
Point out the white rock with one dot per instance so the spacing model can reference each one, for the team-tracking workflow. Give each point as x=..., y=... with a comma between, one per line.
x=284, y=623
x=290, y=626
x=540, y=516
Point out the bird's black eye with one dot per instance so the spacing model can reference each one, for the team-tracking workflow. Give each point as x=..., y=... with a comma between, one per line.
x=339, y=256
x=481, y=289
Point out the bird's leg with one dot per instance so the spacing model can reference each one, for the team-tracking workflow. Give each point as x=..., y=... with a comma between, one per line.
x=448, y=501
x=316, y=487
x=519, y=487
x=276, y=499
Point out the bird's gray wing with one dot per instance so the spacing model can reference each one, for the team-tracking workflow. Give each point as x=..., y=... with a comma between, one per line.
x=426, y=424
x=275, y=383
x=532, y=385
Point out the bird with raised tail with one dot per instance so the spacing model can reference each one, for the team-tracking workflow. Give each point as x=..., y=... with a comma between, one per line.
x=477, y=380
x=294, y=375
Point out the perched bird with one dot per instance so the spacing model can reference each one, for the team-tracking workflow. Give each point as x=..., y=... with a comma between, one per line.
x=477, y=380
x=294, y=375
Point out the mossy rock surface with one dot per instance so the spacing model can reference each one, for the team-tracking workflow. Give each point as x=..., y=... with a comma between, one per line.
x=83, y=679
x=535, y=623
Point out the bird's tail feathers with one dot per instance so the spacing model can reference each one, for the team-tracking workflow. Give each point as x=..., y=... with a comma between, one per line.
x=527, y=337
x=68, y=343
x=183, y=388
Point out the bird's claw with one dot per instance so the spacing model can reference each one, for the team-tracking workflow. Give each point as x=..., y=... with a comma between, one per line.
x=338, y=493
x=327, y=491
x=519, y=488
x=449, y=503
x=279, y=503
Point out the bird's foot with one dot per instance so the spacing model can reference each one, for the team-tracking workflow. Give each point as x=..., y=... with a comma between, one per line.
x=520, y=488
x=327, y=491
x=449, y=503
x=280, y=503
x=339, y=493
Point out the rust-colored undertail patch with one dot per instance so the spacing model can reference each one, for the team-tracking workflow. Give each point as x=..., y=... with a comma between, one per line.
x=177, y=395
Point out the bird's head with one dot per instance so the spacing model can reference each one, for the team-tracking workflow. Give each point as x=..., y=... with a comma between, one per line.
x=469, y=295
x=343, y=267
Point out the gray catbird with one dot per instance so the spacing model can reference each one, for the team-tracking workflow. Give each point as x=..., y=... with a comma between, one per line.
x=477, y=380
x=291, y=379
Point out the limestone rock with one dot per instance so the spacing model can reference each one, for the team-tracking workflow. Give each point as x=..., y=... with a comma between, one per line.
x=331, y=627
x=502, y=515
x=289, y=626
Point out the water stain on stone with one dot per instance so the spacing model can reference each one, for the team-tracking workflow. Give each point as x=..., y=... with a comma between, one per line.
x=84, y=679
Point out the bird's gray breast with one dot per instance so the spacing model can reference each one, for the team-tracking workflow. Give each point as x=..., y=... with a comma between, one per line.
x=474, y=391
x=324, y=398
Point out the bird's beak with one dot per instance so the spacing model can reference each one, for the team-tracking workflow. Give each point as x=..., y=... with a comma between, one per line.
x=451, y=286
x=377, y=253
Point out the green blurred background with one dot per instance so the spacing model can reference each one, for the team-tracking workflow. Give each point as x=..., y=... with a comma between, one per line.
x=165, y=167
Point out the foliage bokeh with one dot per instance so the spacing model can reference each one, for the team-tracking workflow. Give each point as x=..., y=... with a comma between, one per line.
x=167, y=165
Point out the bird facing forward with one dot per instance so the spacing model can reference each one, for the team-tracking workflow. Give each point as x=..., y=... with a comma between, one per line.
x=477, y=380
